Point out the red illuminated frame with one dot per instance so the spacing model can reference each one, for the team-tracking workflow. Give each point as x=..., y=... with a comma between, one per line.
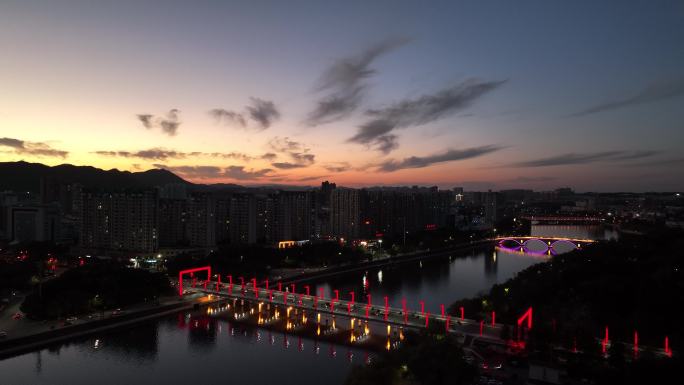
x=191, y=271
x=527, y=316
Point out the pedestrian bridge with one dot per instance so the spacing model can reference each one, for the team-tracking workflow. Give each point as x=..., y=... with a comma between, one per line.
x=540, y=245
x=281, y=303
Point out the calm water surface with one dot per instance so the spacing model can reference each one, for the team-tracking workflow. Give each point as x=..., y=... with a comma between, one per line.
x=169, y=352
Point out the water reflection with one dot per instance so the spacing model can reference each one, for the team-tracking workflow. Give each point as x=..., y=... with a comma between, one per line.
x=435, y=281
x=491, y=264
x=178, y=349
x=139, y=344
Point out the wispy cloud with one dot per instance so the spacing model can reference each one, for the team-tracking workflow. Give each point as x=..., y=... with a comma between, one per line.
x=39, y=149
x=228, y=117
x=152, y=153
x=297, y=151
x=345, y=83
x=658, y=162
x=168, y=124
x=338, y=167
x=447, y=156
x=241, y=173
x=193, y=172
x=280, y=144
x=653, y=93
x=583, y=158
x=214, y=172
x=386, y=143
x=287, y=165
x=311, y=178
x=303, y=157
x=419, y=111
x=163, y=154
x=147, y=120
x=263, y=112
x=299, y=160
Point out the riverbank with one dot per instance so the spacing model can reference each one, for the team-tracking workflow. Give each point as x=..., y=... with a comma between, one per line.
x=403, y=258
x=40, y=334
x=31, y=341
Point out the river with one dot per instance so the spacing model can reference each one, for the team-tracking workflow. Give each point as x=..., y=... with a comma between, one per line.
x=215, y=351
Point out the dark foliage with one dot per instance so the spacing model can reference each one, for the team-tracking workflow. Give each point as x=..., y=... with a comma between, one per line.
x=255, y=259
x=94, y=287
x=636, y=283
x=424, y=358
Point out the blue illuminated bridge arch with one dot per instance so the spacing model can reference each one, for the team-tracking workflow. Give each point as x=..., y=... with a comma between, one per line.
x=522, y=244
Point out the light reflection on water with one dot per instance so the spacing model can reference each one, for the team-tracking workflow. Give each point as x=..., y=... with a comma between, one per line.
x=216, y=351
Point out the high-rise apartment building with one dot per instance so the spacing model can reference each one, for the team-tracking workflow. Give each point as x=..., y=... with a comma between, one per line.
x=125, y=221
x=345, y=212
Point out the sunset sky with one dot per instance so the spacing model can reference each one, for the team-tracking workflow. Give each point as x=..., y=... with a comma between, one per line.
x=481, y=94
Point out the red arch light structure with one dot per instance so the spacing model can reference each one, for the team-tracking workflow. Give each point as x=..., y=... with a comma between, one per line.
x=527, y=316
x=191, y=271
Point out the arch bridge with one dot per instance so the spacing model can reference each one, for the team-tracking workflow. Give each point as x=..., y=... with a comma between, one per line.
x=544, y=245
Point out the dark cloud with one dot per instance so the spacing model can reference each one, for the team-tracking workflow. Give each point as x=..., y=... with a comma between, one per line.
x=301, y=157
x=152, y=153
x=239, y=172
x=369, y=132
x=146, y=120
x=287, y=165
x=194, y=172
x=228, y=117
x=654, y=93
x=214, y=172
x=633, y=155
x=169, y=124
x=310, y=178
x=32, y=148
x=263, y=112
x=12, y=143
x=336, y=106
x=428, y=108
x=338, y=167
x=232, y=155
x=157, y=153
x=419, y=111
x=659, y=162
x=575, y=158
x=163, y=154
x=345, y=83
x=447, y=156
x=285, y=144
x=301, y=160
x=386, y=143
x=270, y=156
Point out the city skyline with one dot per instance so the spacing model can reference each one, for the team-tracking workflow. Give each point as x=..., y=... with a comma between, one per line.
x=456, y=94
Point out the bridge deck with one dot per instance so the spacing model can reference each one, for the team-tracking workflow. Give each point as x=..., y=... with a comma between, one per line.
x=362, y=311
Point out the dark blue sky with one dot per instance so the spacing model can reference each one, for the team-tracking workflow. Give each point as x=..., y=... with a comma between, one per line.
x=533, y=94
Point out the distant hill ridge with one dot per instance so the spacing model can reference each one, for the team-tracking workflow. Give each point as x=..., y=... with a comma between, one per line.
x=25, y=176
